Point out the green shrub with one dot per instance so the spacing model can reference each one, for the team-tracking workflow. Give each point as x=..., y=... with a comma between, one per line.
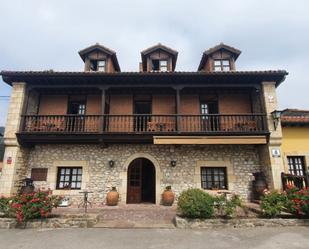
x=227, y=207
x=195, y=203
x=273, y=204
x=4, y=206
x=231, y=205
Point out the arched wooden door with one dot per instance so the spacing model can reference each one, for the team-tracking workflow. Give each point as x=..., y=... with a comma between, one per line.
x=141, y=181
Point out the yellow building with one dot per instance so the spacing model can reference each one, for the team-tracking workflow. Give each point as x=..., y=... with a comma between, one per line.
x=295, y=141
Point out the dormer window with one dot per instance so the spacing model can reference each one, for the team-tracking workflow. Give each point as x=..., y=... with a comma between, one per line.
x=159, y=65
x=98, y=58
x=163, y=66
x=219, y=58
x=98, y=65
x=222, y=65
x=158, y=58
x=101, y=66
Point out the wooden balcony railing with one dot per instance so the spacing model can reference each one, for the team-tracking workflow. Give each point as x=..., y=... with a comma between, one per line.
x=144, y=123
x=294, y=181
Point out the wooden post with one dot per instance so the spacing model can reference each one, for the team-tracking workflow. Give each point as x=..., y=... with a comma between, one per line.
x=177, y=109
x=103, y=100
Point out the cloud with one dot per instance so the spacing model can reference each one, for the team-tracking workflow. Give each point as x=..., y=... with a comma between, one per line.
x=42, y=34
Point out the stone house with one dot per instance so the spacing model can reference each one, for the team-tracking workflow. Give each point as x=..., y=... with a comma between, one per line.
x=142, y=131
x=295, y=143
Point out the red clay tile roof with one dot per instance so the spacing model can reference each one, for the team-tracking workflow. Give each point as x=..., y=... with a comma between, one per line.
x=78, y=77
x=82, y=73
x=159, y=46
x=295, y=117
x=235, y=51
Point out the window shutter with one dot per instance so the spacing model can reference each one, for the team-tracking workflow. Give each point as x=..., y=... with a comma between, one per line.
x=39, y=174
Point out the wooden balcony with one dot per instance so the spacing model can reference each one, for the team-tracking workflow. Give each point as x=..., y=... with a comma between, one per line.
x=289, y=180
x=109, y=127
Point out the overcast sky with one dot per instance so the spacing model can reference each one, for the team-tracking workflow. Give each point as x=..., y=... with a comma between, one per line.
x=47, y=34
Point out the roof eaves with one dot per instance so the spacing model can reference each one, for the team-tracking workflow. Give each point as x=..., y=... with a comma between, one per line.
x=95, y=47
x=235, y=51
x=159, y=46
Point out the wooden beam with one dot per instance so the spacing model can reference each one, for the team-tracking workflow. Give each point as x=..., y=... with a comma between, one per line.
x=209, y=140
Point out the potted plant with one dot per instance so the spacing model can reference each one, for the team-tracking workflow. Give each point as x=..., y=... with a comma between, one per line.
x=112, y=197
x=168, y=196
x=65, y=202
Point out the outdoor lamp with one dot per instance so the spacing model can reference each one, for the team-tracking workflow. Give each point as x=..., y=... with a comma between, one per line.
x=111, y=163
x=276, y=117
x=173, y=163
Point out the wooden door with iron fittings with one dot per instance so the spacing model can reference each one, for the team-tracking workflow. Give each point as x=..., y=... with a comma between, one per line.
x=134, y=181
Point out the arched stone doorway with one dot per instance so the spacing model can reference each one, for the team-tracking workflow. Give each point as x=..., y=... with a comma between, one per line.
x=141, y=181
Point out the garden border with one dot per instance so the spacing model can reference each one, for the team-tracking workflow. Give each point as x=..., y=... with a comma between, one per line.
x=90, y=220
x=69, y=221
x=186, y=223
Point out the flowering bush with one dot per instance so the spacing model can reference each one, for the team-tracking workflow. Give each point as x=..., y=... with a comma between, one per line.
x=273, y=203
x=30, y=206
x=299, y=201
x=293, y=200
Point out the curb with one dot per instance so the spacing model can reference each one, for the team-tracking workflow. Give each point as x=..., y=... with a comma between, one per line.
x=184, y=223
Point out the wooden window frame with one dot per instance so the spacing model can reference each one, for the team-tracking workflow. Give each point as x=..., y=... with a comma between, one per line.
x=70, y=177
x=98, y=66
x=294, y=164
x=209, y=171
x=221, y=67
x=81, y=100
x=160, y=67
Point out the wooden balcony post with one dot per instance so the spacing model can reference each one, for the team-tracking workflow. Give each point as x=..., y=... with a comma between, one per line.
x=103, y=102
x=177, y=108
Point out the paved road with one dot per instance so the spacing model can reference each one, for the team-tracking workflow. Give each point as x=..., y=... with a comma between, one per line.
x=258, y=238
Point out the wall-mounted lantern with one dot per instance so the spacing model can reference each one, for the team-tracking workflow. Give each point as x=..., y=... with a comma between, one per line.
x=276, y=117
x=111, y=163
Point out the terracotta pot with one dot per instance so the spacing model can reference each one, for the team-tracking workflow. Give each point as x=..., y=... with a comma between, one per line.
x=112, y=197
x=168, y=197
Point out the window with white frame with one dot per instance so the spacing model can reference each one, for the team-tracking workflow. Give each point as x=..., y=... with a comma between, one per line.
x=69, y=178
x=222, y=65
x=163, y=66
x=160, y=65
x=101, y=66
x=296, y=165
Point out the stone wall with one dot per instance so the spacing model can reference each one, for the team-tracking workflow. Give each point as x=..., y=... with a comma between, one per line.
x=243, y=160
x=12, y=171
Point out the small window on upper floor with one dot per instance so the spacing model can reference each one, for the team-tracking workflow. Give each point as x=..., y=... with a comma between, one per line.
x=101, y=66
x=222, y=65
x=98, y=65
x=159, y=65
x=163, y=66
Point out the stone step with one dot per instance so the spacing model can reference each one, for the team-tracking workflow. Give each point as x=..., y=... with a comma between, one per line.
x=133, y=224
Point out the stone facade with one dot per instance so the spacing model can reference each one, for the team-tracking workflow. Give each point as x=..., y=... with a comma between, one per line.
x=272, y=165
x=241, y=161
x=13, y=153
